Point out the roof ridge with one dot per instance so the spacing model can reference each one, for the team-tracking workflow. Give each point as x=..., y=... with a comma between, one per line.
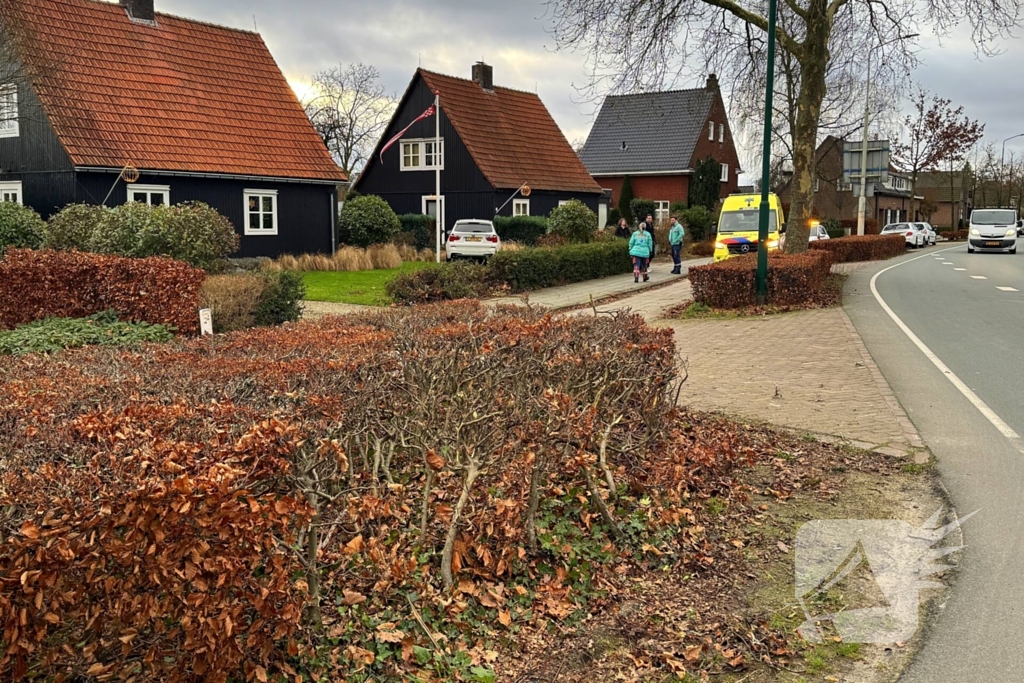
x=116, y=3
x=659, y=92
x=470, y=80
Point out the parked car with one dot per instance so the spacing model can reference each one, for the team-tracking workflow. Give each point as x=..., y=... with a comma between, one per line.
x=993, y=230
x=915, y=236
x=472, y=239
x=929, y=233
x=818, y=233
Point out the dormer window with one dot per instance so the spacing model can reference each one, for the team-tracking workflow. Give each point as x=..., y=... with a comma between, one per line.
x=9, y=127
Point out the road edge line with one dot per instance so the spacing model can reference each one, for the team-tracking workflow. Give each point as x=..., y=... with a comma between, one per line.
x=975, y=400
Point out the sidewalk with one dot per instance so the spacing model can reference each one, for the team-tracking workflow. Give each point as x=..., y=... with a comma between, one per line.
x=582, y=293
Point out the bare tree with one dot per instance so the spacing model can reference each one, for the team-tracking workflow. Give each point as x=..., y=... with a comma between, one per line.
x=350, y=108
x=934, y=133
x=639, y=44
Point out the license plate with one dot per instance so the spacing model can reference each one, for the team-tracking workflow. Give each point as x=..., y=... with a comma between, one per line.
x=993, y=244
x=474, y=239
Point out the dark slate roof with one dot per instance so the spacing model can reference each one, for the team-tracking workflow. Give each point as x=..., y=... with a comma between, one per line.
x=660, y=131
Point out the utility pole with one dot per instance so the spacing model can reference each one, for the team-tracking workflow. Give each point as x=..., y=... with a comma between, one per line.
x=766, y=165
x=1002, y=166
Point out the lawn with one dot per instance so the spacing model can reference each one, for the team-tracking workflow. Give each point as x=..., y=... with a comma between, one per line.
x=364, y=287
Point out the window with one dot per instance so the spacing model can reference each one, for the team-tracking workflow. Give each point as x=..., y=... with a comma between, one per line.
x=520, y=207
x=661, y=211
x=9, y=111
x=817, y=184
x=11, y=192
x=261, y=212
x=711, y=131
x=154, y=195
x=725, y=173
x=563, y=202
x=721, y=132
x=420, y=155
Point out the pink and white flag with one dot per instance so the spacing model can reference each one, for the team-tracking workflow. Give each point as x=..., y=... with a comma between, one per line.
x=425, y=115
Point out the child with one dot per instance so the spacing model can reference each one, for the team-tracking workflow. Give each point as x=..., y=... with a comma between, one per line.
x=641, y=245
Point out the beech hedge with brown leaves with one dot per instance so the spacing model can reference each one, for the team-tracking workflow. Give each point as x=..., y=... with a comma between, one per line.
x=50, y=284
x=199, y=510
x=793, y=280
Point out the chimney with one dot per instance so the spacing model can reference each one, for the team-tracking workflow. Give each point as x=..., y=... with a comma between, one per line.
x=712, y=82
x=140, y=10
x=483, y=74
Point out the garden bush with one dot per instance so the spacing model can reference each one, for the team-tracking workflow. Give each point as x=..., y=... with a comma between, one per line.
x=614, y=217
x=537, y=268
x=834, y=228
x=678, y=208
x=441, y=282
x=862, y=248
x=700, y=223
x=72, y=227
x=421, y=229
x=245, y=300
x=367, y=220
x=57, y=334
x=525, y=230
x=792, y=280
x=35, y=285
x=574, y=221
x=641, y=208
x=20, y=227
x=281, y=299
x=178, y=516
x=870, y=226
x=703, y=249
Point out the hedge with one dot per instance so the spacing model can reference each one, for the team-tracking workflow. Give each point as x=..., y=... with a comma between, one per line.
x=529, y=269
x=20, y=227
x=35, y=285
x=525, y=230
x=954, y=235
x=870, y=226
x=792, y=280
x=421, y=229
x=244, y=300
x=862, y=248
x=440, y=282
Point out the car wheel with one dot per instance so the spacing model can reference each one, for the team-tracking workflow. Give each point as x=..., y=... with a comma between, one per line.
x=969, y=250
x=1014, y=250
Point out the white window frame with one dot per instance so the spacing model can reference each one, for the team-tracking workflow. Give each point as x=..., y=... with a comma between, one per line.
x=711, y=131
x=416, y=149
x=725, y=173
x=563, y=202
x=721, y=132
x=9, y=127
x=248, y=194
x=518, y=204
x=12, y=187
x=662, y=211
x=150, y=190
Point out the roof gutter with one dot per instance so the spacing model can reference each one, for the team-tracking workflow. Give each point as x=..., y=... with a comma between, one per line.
x=687, y=171
x=216, y=176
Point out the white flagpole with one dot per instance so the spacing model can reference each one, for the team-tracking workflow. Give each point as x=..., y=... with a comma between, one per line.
x=438, y=157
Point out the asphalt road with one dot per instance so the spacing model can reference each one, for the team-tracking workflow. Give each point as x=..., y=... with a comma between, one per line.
x=975, y=334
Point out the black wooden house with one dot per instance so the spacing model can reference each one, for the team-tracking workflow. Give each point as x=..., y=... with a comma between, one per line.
x=494, y=141
x=201, y=112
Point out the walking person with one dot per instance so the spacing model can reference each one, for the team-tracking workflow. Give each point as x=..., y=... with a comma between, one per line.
x=675, y=238
x=649, y=227
x=641, y=246
x=622, y=229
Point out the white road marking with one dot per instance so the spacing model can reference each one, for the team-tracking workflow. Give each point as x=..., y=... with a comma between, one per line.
x=978, y=277
x=997, y=422
x=1007, y=289
x=960, y=269
x=947, y=263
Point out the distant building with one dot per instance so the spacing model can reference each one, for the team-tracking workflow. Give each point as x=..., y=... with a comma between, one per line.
x=657, y=139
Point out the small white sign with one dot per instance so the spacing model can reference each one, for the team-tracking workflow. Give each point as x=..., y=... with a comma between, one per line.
x=205, y=322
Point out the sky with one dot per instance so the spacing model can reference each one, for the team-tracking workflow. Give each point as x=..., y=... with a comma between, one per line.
x=448, y=36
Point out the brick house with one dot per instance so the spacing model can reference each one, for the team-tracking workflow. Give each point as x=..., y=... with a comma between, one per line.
x=657, y=139
x=946, y=195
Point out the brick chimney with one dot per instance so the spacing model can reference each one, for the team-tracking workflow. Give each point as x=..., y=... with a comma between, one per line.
x=712, y=82
x=140, y=10
x=483, y=74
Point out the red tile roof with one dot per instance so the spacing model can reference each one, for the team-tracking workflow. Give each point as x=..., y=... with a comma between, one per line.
x=511, y=135
x=179, y=96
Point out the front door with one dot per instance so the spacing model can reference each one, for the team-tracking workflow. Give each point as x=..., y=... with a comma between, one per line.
x=430, y=203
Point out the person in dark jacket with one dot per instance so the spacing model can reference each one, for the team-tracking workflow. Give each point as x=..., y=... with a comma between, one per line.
x=622, y=229
x=649, y=228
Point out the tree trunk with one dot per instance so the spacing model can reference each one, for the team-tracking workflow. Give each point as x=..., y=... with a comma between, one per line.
x=813, y=64
x=453, y=529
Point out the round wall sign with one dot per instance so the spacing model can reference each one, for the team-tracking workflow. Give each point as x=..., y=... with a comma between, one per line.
x=525, y=191
x=130, y=174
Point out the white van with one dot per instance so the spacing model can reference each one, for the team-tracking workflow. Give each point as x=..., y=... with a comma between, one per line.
x=993, y=230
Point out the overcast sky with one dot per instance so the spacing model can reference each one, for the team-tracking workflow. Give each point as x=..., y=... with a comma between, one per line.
x=449, y=35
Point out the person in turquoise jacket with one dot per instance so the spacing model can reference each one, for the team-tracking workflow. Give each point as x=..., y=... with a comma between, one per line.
x=675, y=238
x=641, y=244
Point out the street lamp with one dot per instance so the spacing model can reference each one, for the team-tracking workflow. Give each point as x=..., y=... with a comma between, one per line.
x=1002, y=164
x=862, y=205
x=766, y=165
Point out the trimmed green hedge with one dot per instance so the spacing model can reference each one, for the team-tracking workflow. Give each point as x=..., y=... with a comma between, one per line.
x=525, y=230
x=421, y=227
x=528, y=269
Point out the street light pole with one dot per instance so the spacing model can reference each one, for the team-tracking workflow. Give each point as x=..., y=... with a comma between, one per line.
x=766, y=165
x=1002, y=165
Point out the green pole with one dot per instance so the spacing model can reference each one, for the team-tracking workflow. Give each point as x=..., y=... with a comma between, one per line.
x=766, y=165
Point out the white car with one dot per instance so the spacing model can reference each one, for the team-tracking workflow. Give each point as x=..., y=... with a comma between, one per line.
x=818, y=233
x=915, y=236
x=929, y=231
x=993, y=230
x=472, y=239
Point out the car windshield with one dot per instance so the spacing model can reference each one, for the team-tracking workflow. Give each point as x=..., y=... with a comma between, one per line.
x=745, y=221
x=993, y=217
x=481, y=227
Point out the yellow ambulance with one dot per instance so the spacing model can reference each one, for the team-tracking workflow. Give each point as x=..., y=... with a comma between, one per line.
x=738, y=225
